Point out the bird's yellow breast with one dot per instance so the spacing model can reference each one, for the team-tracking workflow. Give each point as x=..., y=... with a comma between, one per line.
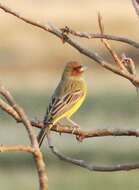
x=75, y=107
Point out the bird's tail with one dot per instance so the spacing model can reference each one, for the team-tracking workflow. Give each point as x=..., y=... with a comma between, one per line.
x=44, y=131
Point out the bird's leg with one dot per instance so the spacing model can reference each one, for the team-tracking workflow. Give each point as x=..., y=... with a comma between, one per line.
x=75, y=126
x=57, y=127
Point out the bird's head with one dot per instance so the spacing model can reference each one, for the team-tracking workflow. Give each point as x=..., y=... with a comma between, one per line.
x=74, y=69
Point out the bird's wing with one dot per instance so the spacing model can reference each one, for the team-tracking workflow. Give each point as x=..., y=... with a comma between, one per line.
x=60, y=105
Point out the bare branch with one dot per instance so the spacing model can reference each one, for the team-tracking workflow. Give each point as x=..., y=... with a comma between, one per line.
x=54, y=30
x=96, y=57
x=8, y=109
x=20, y=112
x=90, y=35
x=13, y=107
x=136, y=6
x=92, y=167
x=8, y=10
x=59, y=128
x=16, y=148
x=89, y=166
x=107, y=45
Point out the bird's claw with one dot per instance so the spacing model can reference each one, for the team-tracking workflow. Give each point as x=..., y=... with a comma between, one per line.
x=57, y=128
x=78, y=137
x=74, y=128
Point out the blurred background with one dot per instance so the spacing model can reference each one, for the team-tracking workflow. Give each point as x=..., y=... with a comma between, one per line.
x=31, y=62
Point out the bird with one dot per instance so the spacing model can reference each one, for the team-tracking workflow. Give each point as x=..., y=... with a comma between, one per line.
x=66, y=99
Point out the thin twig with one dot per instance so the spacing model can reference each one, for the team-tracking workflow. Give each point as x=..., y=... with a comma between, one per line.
x=136, y=6
x=95, y=57
x=92, y=167
x=8, y=10
x=89, y=35
x=89, y=166
x=7, y=95
x=8, y=109
x=16, y=148
x=107, y=45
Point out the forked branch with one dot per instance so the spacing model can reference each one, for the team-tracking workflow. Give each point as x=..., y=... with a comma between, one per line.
x=94, y=56
x=17, y=112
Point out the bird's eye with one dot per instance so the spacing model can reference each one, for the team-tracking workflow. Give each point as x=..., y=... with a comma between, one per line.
x=77, y=68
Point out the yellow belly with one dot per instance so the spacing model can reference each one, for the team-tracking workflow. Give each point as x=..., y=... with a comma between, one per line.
x=75, y=107
x=69, y=113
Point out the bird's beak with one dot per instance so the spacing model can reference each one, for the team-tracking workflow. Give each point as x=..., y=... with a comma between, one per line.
x=83, y=68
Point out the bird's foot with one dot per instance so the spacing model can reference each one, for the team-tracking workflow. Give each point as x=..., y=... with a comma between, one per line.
x=57, y=128
x=75, y=128
x=79, y=137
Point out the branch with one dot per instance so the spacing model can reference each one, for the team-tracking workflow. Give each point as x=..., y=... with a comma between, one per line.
x=89, y=166
x=107, y=45
x=16, y=148
x=59, y=128
x=136, y=6
x=8, y=10
x=18, y=113
x=94, y=56
x=92, y=167
x=88, y=35
x=8, y=109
